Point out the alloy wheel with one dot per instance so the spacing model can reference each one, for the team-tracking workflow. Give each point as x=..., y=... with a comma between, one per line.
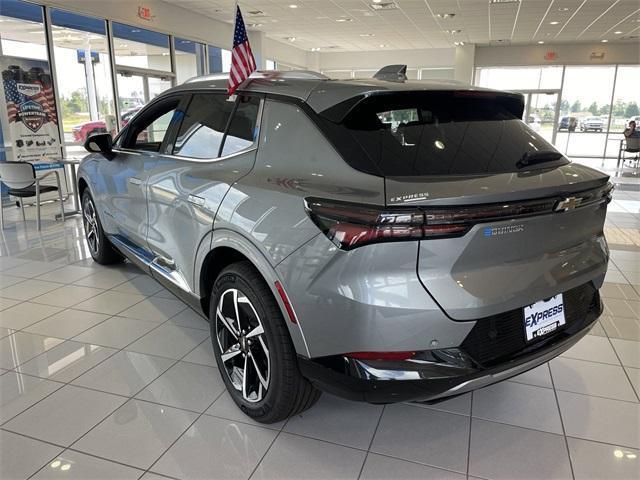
x=243, y=345
x=90, y=221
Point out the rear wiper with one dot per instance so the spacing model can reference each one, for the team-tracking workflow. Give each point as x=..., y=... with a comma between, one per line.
x=542, y=156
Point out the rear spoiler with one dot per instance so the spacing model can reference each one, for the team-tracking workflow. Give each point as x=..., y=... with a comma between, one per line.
x=512, y=101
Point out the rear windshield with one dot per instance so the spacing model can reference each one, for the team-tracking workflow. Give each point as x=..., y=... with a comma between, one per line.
x=443, y=133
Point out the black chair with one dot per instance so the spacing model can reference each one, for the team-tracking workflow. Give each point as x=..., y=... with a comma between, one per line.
x=21, y=179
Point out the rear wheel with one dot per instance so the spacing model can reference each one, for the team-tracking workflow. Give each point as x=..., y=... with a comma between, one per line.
x=253, y=349
x=101, y=249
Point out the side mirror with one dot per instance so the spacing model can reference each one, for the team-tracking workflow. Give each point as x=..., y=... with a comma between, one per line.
x=100, y=143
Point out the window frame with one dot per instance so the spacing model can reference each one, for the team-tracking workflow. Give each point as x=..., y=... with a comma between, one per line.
x=254, y=145
x=125, y=134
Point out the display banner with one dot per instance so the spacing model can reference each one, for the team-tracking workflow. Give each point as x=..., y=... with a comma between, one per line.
x=30, y=110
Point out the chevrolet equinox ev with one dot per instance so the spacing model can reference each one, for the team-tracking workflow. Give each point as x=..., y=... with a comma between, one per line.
x=383, y=240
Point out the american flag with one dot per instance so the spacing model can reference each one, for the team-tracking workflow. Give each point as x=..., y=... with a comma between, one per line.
x=14, y=99
x=242, y=61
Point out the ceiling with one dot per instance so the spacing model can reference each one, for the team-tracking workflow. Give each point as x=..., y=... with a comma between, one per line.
x=355, y=25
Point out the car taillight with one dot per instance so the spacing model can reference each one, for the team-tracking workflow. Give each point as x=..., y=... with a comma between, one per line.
x=350, y=225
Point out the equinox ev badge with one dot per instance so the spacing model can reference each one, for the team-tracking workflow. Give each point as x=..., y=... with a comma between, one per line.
x=493, y=231
x=568, y=203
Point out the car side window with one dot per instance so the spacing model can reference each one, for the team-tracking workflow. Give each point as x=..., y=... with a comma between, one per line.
x=202, y=129
x=242, y=129
x=149, y=129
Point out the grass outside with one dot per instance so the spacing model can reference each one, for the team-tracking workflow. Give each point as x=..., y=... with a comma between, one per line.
x=71, y=120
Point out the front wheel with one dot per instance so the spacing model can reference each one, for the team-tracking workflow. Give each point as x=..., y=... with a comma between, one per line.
x=99, y=245
x=254, y=352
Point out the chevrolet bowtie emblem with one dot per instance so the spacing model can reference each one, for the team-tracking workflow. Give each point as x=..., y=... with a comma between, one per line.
x=568, y=203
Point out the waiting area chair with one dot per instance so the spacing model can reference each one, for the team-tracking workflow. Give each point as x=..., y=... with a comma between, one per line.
x=22, y=182
x=629, y=145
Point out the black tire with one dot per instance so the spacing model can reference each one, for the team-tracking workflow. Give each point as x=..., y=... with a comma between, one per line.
x=102, y=251
x=287, y=392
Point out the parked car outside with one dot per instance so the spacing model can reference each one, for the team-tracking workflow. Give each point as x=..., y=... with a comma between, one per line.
x=384, y=241
x=568, y=123
x=84, y=130
x=592, y=123
x=534, y=122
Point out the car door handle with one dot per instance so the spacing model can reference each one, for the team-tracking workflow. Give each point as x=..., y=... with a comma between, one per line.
x=196, y=200
x=165, y=262
x=135, y=181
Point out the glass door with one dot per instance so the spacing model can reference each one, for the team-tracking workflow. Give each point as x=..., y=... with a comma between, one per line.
x=541, y=113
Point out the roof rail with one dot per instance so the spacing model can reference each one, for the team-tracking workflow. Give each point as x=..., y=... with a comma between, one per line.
x=392, y=73
x=284, y=74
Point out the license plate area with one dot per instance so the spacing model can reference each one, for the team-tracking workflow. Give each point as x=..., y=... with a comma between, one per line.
x=543, y=317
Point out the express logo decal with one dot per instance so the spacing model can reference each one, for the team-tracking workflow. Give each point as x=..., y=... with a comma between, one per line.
x=536, y=317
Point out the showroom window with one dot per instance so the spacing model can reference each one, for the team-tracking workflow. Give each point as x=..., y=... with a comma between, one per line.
x=520, y=78
x=625, y=106
x=189, y=59
x=85, y=89
x=23, y=33
x=219, y=59
x=141, y=48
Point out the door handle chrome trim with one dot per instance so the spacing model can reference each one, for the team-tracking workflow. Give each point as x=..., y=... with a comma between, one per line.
x=165, y=262
x=135, y=181
x=199, y=201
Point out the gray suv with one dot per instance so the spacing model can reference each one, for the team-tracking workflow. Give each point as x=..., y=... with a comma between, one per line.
x=379, y=239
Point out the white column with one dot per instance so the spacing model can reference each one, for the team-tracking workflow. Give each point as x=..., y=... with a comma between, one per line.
x=464, y=63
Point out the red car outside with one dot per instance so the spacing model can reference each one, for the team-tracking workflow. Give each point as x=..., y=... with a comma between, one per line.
x=84, y=130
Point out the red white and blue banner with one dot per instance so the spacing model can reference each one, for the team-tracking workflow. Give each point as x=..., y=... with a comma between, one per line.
x=32, y=123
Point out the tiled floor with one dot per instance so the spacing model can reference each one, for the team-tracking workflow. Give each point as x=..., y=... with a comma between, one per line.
x=104, y=374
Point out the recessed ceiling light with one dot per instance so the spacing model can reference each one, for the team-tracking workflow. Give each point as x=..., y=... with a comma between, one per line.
x=604, y=41
x=367, y=34
x=376, y=1
x=290, y=39
x=315, y=49
x=453, y=32
x=540, y=42
x=382, y=45
x=617, y=32
x=458, y=44
x=554, y=23
x=445, y=15
x=344, y=19
x=293, y=5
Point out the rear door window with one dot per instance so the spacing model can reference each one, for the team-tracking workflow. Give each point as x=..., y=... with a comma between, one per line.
x=443, y=133
x=242, y=129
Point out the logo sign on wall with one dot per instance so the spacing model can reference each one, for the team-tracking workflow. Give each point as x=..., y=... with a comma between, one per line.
x=31, y=114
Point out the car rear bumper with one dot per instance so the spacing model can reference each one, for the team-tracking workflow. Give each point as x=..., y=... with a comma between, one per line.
x=399, y=381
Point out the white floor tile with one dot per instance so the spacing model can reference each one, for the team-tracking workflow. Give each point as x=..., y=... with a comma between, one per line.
x=338, y=421
x=24, y=314
x=32, y=269
x=65, y=415
x=600, y=419
x=66, y=361
x=107, y=278
x=594, y=349
x=28, y=289
x=593, y=460
x=67, y=295
x=142, y=285
x=150, y=428
x=628, y=351
x=185, y=385
x=8, y=280
x=424, y=436
x=214, y=448
x=299, y=458
x=539, y=376
x=21, y=347
x=621, y=327
x=19, y=392
x=67, y=274
x=518, y=404
x=190, y=319
x=116, y=332
x=109, y=302
x=591, y=378
x=503, y=452
x=22, y=456
x=6, y=303
x=202, y=354
x=378, y=467
x=154, y=309
x=169, y=341
x=125, y=373
x=67, y=323
x=70, y=465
